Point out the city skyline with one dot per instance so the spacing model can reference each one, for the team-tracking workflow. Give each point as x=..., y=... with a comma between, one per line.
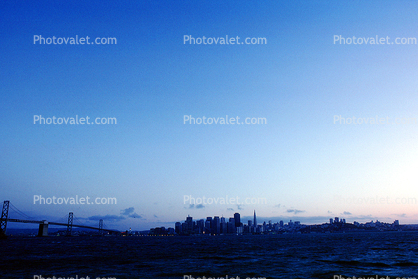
x=114, y=224
x=221, y=226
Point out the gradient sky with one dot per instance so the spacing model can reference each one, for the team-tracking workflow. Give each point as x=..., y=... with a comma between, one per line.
x=307, y=167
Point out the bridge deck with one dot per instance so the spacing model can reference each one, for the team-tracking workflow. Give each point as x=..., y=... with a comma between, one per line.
x=54, y=223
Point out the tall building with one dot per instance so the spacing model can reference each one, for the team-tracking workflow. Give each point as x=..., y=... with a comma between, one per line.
x=250, y=226
x=224, y=228
x=231, y=226
x=178, y=228
x=189, y=224
x=255, y=219
x=216, y=225
x=200, y=225
x=208, y=225
x=237, y=218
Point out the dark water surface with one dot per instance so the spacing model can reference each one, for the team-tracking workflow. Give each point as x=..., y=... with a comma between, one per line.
x=392, y=254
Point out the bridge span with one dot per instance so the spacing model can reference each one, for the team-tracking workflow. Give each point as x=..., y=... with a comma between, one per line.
x=43, y=225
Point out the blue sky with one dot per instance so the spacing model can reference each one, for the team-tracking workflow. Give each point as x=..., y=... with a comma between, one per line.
x=299, y=161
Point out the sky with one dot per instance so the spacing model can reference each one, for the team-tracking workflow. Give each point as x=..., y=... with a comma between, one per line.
x=302, y=163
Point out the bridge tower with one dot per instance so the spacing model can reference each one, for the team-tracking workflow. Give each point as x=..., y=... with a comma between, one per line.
x=101, y=227
x=70, y=224
x=4, y=215
x=43, y=228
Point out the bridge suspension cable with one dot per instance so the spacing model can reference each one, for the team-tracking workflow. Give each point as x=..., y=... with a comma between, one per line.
x=20, y=213
x=79, y=221
x=63, y=219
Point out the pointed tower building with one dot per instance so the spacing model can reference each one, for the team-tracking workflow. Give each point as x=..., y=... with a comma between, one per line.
x=255, y=220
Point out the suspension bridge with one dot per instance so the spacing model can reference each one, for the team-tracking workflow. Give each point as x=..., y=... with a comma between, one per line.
x=44, y=224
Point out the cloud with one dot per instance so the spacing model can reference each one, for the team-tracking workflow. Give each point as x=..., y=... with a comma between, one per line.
x=329, y=212
x=155, y=216
x=277, y=205
x=346, y=213
x=107, y=217
x=230, y=209
x=130, y=212
x=127, y=211
x=295, y=211
x=239, y=207
x=135, y=215
x=368, y=217
x=198, y=206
